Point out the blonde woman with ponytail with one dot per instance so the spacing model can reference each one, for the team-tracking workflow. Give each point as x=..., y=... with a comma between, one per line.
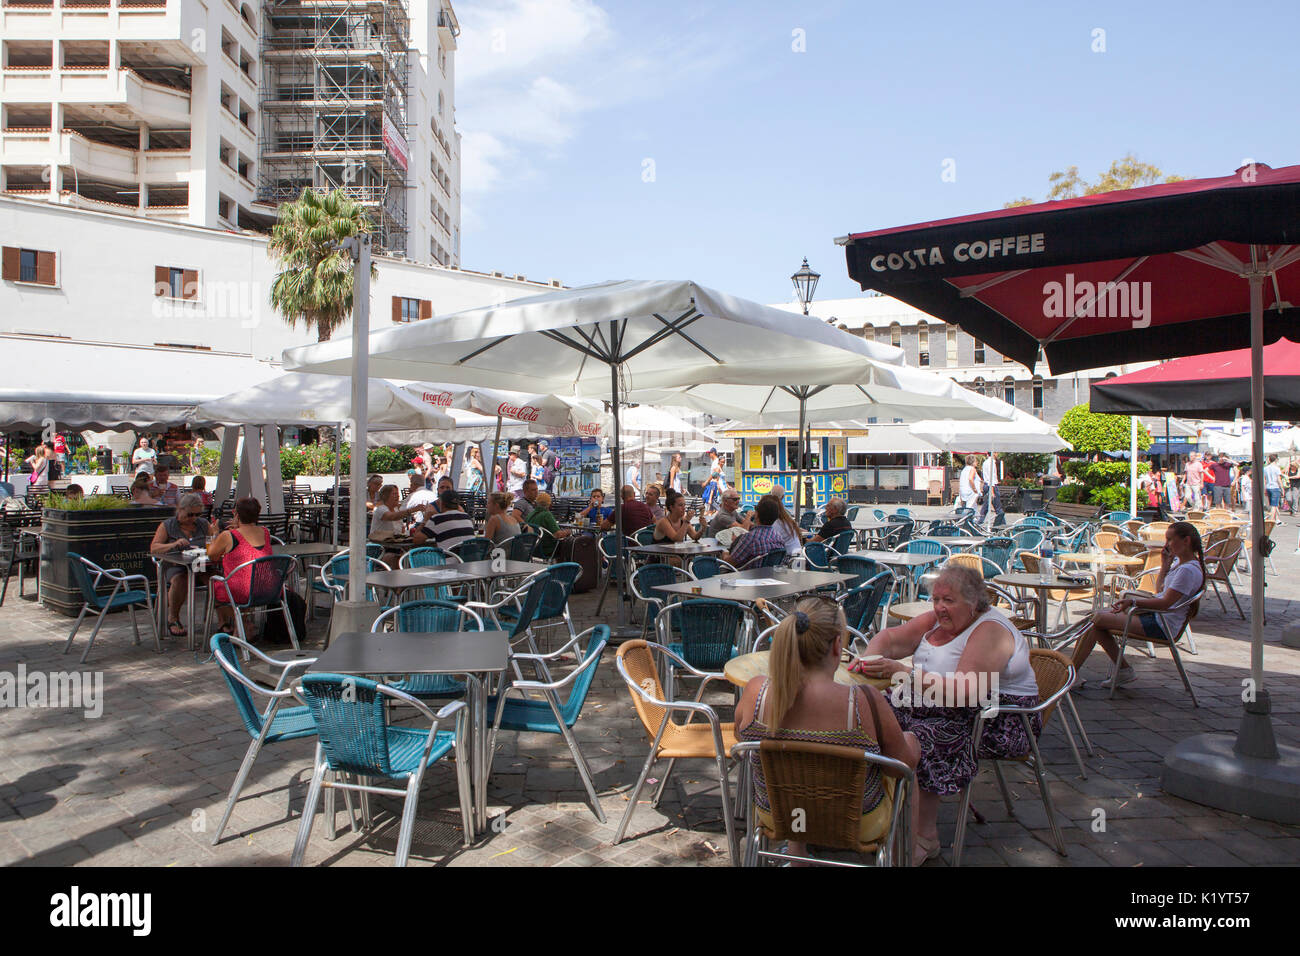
x=800, y=700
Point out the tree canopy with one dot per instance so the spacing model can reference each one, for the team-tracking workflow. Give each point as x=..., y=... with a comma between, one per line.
x=1126, y=173
x=1092, y=432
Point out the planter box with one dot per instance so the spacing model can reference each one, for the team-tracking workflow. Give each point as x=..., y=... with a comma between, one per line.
x=1031, y=499
x=112, y=539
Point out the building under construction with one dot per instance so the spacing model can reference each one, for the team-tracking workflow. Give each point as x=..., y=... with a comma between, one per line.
x=334, y=106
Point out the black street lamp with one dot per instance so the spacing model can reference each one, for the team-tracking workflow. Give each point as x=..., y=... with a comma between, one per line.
x=805, y=284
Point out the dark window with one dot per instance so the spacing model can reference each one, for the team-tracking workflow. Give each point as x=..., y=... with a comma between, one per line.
x=979, y=352
x=176, y=283
x=1009, y=392
x=27, y=268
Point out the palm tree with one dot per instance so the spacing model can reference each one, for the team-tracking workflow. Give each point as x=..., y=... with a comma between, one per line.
x=316, y=284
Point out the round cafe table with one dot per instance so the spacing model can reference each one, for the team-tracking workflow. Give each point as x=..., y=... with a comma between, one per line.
x=741, y=670
x=908, y=609
x=1032, y=582
x=1102, y=564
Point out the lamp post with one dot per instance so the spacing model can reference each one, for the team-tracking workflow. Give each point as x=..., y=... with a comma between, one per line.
x=805, y=284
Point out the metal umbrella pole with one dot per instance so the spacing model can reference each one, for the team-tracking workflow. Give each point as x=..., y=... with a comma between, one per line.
x=338, y=458
x=798, y=481
x=356, y=613
x=621, y=629
x=491, y=483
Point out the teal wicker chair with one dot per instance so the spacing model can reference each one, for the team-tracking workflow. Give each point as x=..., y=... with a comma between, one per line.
x=275, y=724
x=551, y=715
x=354, y=738
x=862, y=603
x=122, y=595
x=474, y=549
x=429, y=558
x=429, y=616
x=862, y=569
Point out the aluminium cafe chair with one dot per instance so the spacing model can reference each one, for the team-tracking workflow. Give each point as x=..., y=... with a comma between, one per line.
x=550, y=715
x=428, y=616
x=356, y=739
x=124, y=594
x=1055, y=676
x=822, y=786
x=639, y=663
x=1189, y=602
x=274, y=723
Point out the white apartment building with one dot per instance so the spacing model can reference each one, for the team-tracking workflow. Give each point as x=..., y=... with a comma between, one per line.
x=211, y=113
x=98, y=277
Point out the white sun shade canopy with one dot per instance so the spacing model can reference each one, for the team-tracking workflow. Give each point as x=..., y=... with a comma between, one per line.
x=660, y=334
x=542, y=414
x=886, y=393
x=1023, y=433
x=303, y=399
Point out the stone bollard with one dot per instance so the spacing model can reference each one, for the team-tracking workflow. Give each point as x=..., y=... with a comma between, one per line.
x=1291, y=635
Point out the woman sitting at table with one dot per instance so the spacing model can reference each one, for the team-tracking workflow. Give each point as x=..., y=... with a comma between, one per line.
x=200, y=487
x=501, y=525
x=959, y=648
x=386, y=522
x=786, y=527
x=1182, y=572
x=543, y=520
x=245, y=542
x=800, y=700
x=675, y=526
x=187, y=529
x=140, y=490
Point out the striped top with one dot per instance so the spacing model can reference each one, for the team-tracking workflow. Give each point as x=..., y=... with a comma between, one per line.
x=450, y=528
x=853, y=736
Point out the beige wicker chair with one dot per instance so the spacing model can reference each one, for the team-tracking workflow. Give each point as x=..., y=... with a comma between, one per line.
x=1055, y=676
x=1191, y=603
x=1220, y=558
x=708, y=739
x=815, y=793
x=1106, y=540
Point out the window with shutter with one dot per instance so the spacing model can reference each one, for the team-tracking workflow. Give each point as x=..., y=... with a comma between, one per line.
x=426, y=308
x=189, y=283
x=161, y=280
x=397, y=309
x=29, y=265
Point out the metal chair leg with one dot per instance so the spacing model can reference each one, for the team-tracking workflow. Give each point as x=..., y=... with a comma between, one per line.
x=1044, y=790
x=135, y=624
x=309, y=811
x=640, y=784
x=1074, y=749
x=241, y=778
x=584, y=771
x=75, y=627
x=959, y=838
x=733, y=851
x=463, y=791
x=1078, y=722
x=408, y=818
x=98, y=623
x=1002, y=785
x=1182, y=672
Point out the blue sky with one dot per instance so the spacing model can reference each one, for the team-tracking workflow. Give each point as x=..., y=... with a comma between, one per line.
x=690, y=140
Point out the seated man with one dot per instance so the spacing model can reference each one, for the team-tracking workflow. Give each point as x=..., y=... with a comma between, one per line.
x=164, y=489
x=420, y=500
x=636, y=514
x=449, y=527
x=729, y=514
x=835, y=523
x=525, y=501
x=760, y=540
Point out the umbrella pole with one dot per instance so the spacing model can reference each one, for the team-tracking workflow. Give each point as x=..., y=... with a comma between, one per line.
x=1249, y=775
x=1133, y=466
x=356, y=613
x=491, y=483
x=798, y=481
x=1255, y=736
x=621, y=629
x=338, y=459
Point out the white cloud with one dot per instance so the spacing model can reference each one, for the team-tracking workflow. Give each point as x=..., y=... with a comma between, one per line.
x=521, y=64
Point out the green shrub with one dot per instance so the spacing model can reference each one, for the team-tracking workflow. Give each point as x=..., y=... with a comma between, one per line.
x=1111, y=497
x=1097, y=474
x=1024, y=465
x=87, y=503
x=1091, y=432
x=1069, y=494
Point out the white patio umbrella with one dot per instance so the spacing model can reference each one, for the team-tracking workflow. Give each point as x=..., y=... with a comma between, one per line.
x=299, y=398
x=1022, y=433
x=892, y=393
x=605, y=340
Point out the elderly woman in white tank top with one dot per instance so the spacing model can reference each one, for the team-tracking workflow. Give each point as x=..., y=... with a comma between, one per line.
x=964, y=654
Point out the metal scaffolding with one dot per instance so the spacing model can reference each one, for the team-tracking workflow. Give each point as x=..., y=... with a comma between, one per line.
x=334, y=106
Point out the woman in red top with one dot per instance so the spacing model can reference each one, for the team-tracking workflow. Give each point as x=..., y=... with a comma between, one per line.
x=241, y=544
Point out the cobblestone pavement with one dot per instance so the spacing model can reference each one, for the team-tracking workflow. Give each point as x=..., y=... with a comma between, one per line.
x=144, y=783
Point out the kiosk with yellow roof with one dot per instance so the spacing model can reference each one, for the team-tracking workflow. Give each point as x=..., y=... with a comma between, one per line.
x=767, y=459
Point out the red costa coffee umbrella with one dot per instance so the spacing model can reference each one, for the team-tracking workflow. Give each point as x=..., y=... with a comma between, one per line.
x=1140, y=274
x=1210, y=386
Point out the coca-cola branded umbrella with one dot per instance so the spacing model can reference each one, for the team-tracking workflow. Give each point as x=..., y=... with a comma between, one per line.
x=1141, y=274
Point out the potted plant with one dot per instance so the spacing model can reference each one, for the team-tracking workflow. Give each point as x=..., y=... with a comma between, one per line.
x=108, y=530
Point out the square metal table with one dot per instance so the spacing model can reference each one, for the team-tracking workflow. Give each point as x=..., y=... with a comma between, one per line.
x=193, y=567
x=720, y=587
x=903, y=559
x=867, y=526
x=473, y=653
x=680, y=548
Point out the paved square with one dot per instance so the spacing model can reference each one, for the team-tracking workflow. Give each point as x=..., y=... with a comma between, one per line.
x=144, y=783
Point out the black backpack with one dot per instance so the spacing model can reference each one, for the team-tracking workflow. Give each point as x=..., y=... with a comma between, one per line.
x=274, y=631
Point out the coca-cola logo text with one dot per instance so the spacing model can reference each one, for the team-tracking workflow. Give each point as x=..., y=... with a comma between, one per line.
x=524, y=413
x=441, y=399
